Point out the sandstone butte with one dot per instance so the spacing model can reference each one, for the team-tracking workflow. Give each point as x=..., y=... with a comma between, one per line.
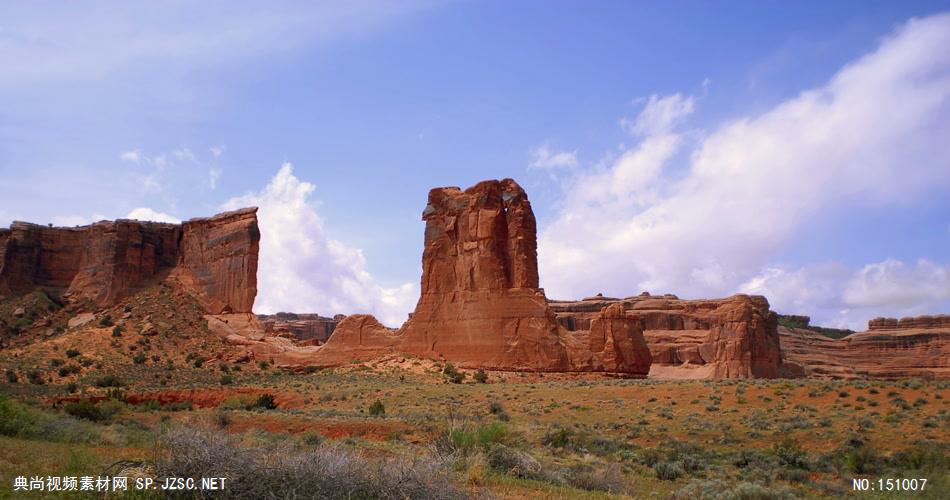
x=910, y=347
x=481, y=306
x=215, y=259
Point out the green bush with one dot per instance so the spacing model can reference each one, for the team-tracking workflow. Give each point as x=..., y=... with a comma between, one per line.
x=453, y=375
x=226, y=380
x=265, y=401
x=56, y=362
x=36, y=377
x=85, y=410
x=106, y=321
x=117, y=331
x=72, y=353
x=12, y=377
x=139, y=358
x=480, y=376
x=108, y=381
x=668, y=471
x=479, y=437
x=68, y=370
x=376, y=409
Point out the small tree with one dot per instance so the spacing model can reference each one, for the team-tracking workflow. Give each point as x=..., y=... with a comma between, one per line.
x=376, y=409
x=480, y=376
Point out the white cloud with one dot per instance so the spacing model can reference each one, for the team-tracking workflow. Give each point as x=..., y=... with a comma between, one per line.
x=661, y=114
x=543, y=157
x=147, y=214
x=214, y=175
x=892, y=282
x=302, y=269
x=839, y=296
x=134, y=156
x=874, y=134
x=184, y=154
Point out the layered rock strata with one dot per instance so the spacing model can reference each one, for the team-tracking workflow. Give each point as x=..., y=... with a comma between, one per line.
x=216, y=258
x=892, y=349
x=736, y=337
x=303, y=327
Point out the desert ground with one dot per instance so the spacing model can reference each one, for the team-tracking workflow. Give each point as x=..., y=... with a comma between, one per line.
x=97, y=400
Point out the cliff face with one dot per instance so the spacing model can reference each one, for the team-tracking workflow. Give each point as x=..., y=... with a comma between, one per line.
x=736, y=337
x=910, y=347
x=103, y=262
x=218, y=259
x=480, y=304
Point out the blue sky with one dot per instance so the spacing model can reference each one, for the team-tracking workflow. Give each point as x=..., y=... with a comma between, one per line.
x=789, y=149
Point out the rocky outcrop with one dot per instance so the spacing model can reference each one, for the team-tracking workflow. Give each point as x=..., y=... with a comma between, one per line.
x=911, y=347
x=218, y=259
x=480, y=304
x=910, y=323
x=736, y=337
x=303, y=327
x=215, y=257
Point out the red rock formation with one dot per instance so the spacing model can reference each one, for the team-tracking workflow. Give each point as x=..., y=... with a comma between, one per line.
x=912, y=347
x=218, y=258
x=105, y=261
x=727, y=338
x=311, y=327
x=480, y=304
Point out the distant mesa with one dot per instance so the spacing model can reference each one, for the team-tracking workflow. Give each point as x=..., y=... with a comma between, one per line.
x=214, y=258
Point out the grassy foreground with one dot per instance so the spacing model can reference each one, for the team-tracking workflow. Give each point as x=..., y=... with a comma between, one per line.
x=407, y=428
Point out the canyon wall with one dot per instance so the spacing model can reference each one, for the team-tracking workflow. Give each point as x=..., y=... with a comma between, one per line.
x=910, y=347
x=214, y=257
x=735, y=337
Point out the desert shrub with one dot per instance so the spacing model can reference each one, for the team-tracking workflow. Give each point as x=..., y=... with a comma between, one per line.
x=56, y=362
x=266, y=402
x=559, y=438
x=480, y=376
x=84, y=409
x=279, y=471
x=12, y=377
x=65, y=371
x=117, y=331
x=607, y=477
x=36, y=377
x=467, y=439
x=199, y=361
x=453, y=375
x=377, y=409
x=226, y=380
x=668, y=471
x=139, y=358
x=106, y=321
x=72, y=353
x=923, y=455
x=223, y=419
x=108, y=381
x=701, y=489
x=791, y=454
x=513, y=462
x=179, y=406
x=20, y=421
